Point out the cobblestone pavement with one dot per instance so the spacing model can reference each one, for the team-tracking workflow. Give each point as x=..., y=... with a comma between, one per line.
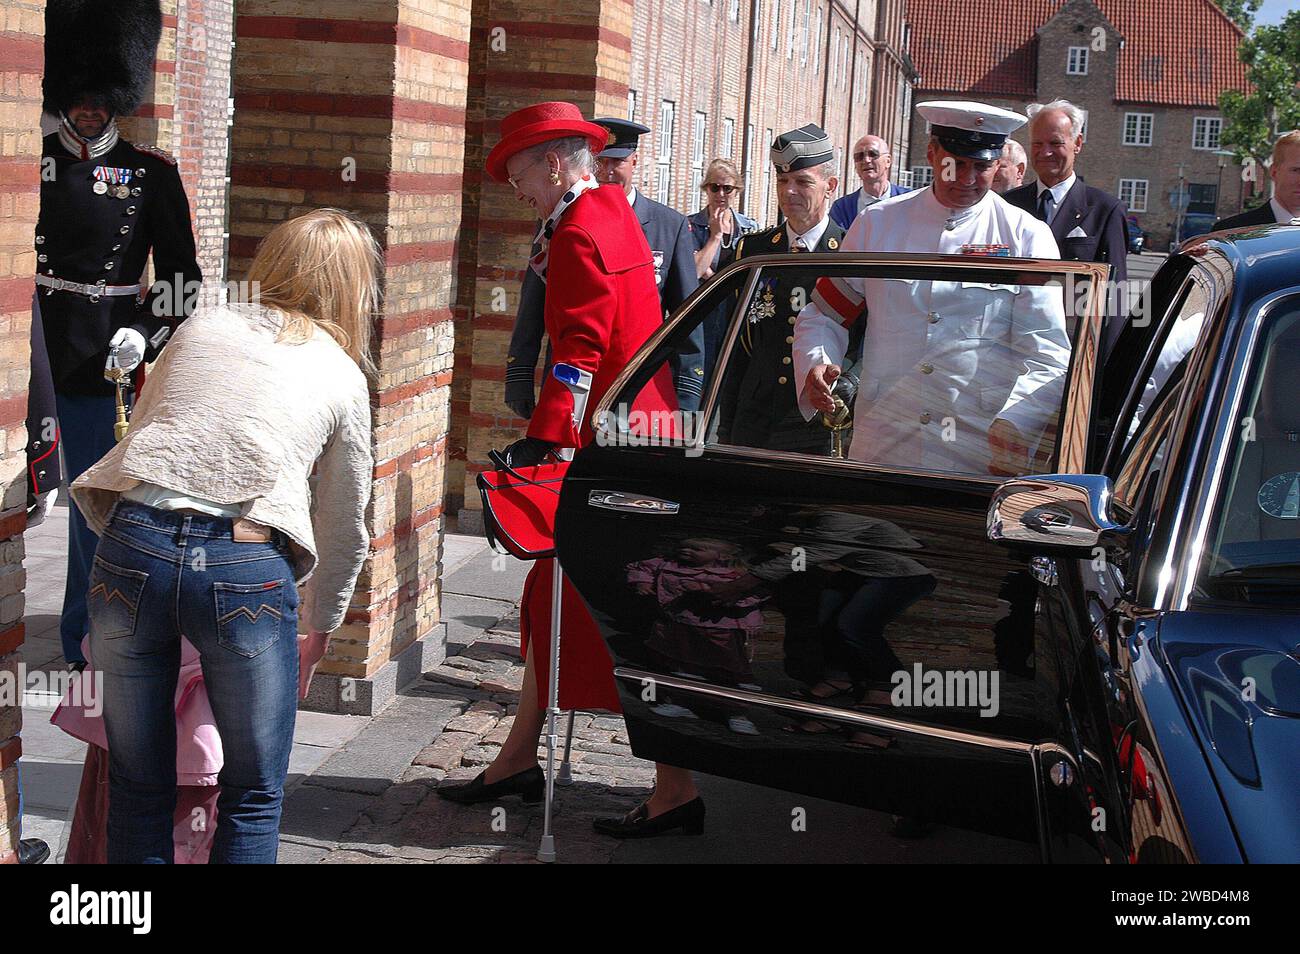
x=374, y=800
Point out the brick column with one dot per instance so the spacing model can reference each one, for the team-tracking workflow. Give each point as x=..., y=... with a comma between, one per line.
x=363, y=108
x=523, y=52
x=22, y=59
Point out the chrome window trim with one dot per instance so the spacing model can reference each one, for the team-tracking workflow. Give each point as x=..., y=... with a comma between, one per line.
x=1072, y=446
x=1198, y=502
x=816, y=710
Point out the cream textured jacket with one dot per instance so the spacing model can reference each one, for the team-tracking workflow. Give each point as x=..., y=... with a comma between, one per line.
x=231, y=415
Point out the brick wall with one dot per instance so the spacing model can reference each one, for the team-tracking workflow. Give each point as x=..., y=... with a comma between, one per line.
x=204, y=32
x=364, y=109
x=22, y=57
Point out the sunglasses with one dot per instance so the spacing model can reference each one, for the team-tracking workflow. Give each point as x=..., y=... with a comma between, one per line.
x=715, y=188
x=869, y=154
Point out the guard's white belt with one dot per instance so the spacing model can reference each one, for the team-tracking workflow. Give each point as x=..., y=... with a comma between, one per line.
x=92, y=291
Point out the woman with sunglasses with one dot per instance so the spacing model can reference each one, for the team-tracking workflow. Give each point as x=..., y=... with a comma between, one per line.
x=717, y=229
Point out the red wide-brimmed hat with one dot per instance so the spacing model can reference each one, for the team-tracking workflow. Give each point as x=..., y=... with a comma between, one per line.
x=533, y=124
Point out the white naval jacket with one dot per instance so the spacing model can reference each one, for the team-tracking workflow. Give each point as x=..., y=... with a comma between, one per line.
x=941, y=360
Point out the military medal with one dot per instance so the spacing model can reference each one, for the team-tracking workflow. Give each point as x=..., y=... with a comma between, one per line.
x=991, y=251
x=763, y=306
x=112, y=181
x=832, y=244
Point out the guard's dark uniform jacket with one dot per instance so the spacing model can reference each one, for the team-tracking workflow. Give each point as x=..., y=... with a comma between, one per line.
x=90, y=236
x=758, y=407
x=669, y=236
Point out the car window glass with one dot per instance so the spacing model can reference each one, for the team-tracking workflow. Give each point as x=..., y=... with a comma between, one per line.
x=1145, y=454
x=1254, y=552
x=950, y=371
x=956, y=370
x=1179, y=339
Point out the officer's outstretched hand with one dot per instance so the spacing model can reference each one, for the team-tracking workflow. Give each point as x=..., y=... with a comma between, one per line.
x=129, y=345
x=1009, y=455
x=818, y=383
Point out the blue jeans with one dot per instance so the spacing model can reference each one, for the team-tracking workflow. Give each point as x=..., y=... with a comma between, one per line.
x=862, y=612
x=158, y=574
x=86, y=433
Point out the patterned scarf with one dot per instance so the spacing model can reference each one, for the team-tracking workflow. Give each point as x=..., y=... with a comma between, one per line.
x=538, y=262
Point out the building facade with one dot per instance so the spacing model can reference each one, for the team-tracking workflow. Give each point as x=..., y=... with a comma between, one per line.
x=1147, y=73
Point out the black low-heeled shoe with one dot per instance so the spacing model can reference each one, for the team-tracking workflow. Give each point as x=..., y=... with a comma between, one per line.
x=530, y=785
x=638, y=824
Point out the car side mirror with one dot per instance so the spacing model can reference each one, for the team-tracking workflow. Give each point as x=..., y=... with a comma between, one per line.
x=1056, y=514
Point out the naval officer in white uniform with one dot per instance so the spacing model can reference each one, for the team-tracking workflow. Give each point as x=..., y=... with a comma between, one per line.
x=957, y=377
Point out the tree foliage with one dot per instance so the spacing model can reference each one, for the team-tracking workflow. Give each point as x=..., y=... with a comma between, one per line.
x=1241, y=11
x=1253, y=119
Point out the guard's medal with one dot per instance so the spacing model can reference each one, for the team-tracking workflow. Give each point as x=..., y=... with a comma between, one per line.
x=100, y=187
x=121, y=192
x=764, y=305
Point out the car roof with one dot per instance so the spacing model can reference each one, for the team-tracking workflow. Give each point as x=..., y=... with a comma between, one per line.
x=1264, y=258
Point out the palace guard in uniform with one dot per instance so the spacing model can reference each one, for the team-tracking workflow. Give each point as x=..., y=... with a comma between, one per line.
x=669, y=236
x=105, y=205
x=758, y=391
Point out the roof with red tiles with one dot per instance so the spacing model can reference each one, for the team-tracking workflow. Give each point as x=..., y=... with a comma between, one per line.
x=1175, y=52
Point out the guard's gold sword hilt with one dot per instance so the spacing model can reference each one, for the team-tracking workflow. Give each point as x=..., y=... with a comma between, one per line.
x=120, y=381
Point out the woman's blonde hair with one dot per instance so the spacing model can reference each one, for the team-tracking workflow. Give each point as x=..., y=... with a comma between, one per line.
x=728, y=169
x=321, y=270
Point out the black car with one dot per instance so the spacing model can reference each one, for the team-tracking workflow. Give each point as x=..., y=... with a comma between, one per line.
x=1098, y=657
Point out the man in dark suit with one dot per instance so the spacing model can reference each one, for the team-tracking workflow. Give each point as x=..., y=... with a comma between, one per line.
x=758, y=407
x=873, y=161
x=1088, y=223
x=673, y=249
x=1284, y=206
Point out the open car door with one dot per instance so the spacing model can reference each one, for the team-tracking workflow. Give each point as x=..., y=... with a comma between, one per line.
x=814, y=605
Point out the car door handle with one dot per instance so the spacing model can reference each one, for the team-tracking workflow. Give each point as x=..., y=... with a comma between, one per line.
x=1043, y=569
x=627, y=503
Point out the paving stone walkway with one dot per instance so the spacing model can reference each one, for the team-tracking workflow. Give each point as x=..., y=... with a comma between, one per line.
x=375, y=801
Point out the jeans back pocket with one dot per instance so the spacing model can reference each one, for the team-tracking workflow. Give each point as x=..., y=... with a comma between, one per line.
x=113, y=599
x=250, y=616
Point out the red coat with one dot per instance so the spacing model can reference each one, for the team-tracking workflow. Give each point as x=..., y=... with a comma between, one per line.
x=602, y=304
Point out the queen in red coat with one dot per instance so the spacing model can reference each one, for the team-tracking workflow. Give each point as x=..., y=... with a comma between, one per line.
x=602, y=304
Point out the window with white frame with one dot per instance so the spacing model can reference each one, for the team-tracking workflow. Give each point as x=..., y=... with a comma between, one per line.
x=1076, y=63
x=922, y=176
x=1137, y=129
x=1133, y=193
x=1206, y=131
x=844, y=70
x=697, y=150
x=733, y=10
x=1084, y=131
x=631, y=104
x=807, y=32
x=817, y=43
x=727, y=145
x=747, y=197
x=776, y=24
x=789, y=34
x=664, y=158
x=758, y=20
x=835, y=56
x=767, y=178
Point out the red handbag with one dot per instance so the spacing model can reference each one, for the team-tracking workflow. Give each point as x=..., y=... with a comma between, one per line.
x=519, y=508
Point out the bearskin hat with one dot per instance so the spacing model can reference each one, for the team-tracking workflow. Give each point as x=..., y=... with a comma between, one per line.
x=98, y=47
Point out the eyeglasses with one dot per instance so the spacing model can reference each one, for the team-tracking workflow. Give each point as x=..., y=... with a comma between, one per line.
x=715, y=188
x=514, y=179
x=870, y=153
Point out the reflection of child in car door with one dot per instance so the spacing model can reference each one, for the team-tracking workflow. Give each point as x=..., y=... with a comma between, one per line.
x=701, y=634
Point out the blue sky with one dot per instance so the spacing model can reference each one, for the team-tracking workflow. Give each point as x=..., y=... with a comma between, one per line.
x=1272, y=11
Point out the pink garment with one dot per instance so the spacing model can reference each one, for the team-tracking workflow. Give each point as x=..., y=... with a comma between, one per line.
x=684, y=594
x=198, y=746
